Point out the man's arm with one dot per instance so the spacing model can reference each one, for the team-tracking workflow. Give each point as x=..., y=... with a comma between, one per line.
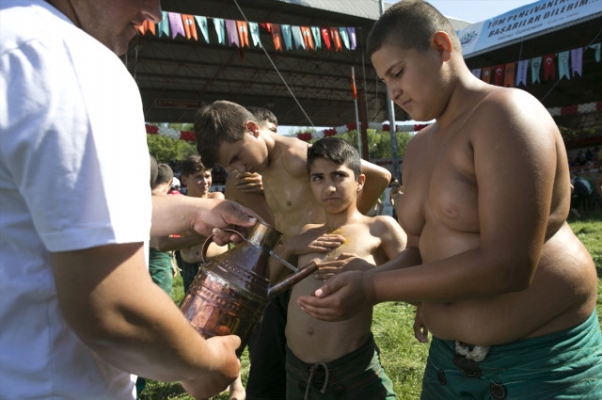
x=377, y=179
x=115, y=309
x=183, y=213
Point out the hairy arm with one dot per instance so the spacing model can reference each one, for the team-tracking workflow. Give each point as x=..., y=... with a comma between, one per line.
x=108, y=299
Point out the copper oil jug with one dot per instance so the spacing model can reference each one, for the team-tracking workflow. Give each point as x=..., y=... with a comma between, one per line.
x=230, y=292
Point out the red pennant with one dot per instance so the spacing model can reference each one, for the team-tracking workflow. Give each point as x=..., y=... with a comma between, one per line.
x=326, y=38
x=498, y=75
x=277, y=37
x=549, y=67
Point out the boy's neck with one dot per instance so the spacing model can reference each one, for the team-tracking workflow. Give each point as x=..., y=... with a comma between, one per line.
x=335, y=221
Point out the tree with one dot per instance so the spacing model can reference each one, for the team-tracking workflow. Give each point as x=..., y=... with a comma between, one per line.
x=165, y=149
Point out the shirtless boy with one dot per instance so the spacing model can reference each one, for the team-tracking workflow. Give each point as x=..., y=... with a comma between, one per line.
x=229, y=135
x=344, y=352
x=489, y=255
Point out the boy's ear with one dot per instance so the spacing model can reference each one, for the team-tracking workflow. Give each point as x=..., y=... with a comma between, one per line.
x=253, y=127
x=442, y=43
x=361, y=179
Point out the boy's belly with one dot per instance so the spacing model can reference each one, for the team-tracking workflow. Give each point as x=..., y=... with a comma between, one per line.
x=315, y=341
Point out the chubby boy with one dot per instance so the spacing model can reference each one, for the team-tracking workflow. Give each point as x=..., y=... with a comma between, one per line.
x=507, y=289
x=338, y=359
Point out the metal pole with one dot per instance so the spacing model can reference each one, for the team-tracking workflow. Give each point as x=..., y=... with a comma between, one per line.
x=392, y=129
x=357, y=113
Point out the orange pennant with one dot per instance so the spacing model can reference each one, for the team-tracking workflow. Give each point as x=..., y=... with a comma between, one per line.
x=150, y=27
x=336, y=38
x=189, y=26
x=277, y=36
x=243, y=33
x=307, y=37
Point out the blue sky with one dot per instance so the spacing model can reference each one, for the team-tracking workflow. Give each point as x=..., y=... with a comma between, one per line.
x=467, y=10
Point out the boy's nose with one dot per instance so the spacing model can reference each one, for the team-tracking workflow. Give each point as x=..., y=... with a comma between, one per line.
x=394, y=92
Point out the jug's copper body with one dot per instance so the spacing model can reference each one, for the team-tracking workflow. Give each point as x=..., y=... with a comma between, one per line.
x=230, y=292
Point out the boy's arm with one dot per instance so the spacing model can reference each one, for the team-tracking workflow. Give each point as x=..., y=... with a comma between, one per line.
x=377, y=179
x=253, y=200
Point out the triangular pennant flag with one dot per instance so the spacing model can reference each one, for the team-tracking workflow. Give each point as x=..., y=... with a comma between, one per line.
x=267, y=26
x=254, y=31
x=307, y=37
x=336, y=39
x=563, y=65
x=535, y=69
x=218, y=23
x=277, y=36
x=521, y=72
x=150, y=27
x=232, y=33
x=298, y=37
x=326, y=37
x=344, y=37
x=486, y=75
x=352, y=38
x=164, y=25
x=498, y=75
x=189, y=26
x=285, y=29
x=596, y=47
x=509, y=74
x=577, y=61
x=243, y=33
x=549, y=68
x=142, y=28
x=202, y=23
x=176, y=25
x=476, y=72
x=315, y=32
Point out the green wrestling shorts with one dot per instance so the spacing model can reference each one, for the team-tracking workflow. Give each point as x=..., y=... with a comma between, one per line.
x=562, y=365
x=159, y=266
x=354, y=376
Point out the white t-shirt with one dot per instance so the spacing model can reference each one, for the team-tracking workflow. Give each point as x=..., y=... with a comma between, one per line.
x=71, y=122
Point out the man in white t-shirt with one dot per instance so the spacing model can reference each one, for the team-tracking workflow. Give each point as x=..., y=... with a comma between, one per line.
x=79, y=314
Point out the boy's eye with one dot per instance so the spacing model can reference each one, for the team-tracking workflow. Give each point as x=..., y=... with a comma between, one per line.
x=398, y=73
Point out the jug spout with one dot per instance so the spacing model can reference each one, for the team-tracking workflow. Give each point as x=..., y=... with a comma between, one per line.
x=289, y=281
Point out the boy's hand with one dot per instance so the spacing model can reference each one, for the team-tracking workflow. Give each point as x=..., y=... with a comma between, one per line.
x=223, y=371
x=421, y=332
x=343, y=296
x=343, y=262
x=249, y=183
x=312, y=241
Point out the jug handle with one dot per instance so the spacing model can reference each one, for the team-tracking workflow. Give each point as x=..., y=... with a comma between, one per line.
x=209, y=240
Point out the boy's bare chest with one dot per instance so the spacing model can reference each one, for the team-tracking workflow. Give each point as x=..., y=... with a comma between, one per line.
x=439, y=184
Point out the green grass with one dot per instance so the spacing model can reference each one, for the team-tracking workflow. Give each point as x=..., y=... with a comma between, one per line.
x=401, y=354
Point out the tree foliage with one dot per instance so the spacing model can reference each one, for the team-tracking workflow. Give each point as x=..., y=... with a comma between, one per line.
x=165, y=149
x=379, y=142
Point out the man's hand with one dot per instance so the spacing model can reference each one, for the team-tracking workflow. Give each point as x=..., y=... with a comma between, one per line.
x=226, y=369
x=249, y=183
x=224, y=214
x=340, y=298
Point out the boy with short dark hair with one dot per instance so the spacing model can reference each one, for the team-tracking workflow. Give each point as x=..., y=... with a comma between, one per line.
x=330, y=359
x=506, y=288
x=230, y=135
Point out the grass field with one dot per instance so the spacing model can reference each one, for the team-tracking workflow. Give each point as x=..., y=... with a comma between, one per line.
x=402, y=355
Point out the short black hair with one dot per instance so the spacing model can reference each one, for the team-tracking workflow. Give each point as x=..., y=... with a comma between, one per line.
x=409, y=24
x=263, y=114
x=335, y=150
